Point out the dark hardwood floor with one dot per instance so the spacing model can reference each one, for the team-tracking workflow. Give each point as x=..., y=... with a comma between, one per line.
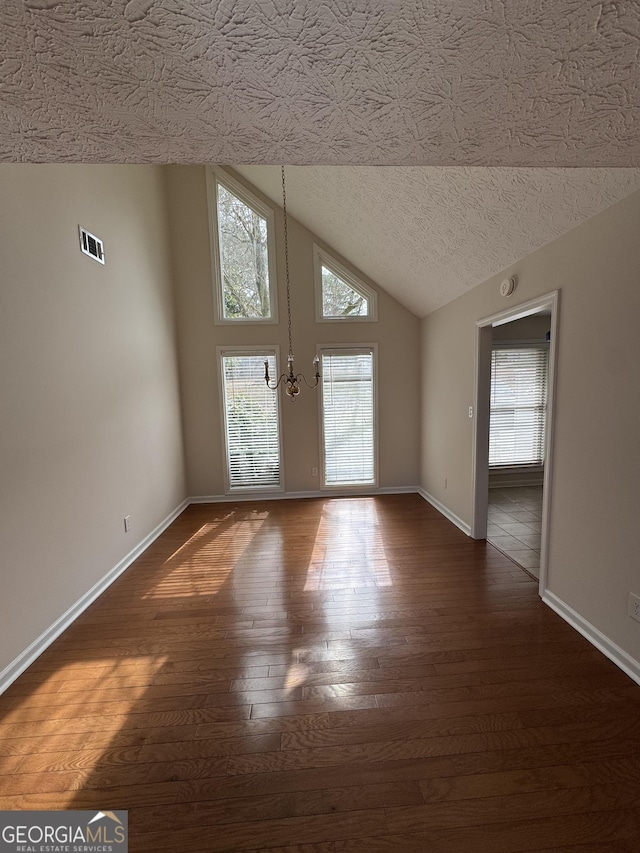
x=328, y=676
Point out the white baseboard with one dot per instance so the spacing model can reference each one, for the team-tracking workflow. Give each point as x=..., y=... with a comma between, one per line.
x=514, y=484
x=27, y=657
x=627, y=664
x=245, y=496
x=466, y=528
x=320, y=493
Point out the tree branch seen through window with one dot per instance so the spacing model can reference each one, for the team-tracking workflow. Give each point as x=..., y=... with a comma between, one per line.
x=244, y=264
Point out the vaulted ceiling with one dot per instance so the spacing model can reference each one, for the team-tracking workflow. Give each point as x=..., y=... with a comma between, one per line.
x=411, y=83
x=428, y=234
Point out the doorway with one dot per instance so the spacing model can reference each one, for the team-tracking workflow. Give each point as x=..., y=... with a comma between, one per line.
x=511, y=504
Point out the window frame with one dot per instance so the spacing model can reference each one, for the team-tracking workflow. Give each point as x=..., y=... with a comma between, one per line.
x=250, y=350
x=218, y=176
x=321, y=258
x=542, y=346
x=354, y=349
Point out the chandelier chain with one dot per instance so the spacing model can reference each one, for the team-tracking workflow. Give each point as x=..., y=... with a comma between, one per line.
x=286, y=258
x=291, y=380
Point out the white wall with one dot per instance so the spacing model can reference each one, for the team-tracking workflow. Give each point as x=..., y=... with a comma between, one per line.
x=595, y=495
x=89, y=400
x=396, y=332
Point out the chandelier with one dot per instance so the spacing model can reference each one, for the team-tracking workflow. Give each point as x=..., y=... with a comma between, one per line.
x=291, y=379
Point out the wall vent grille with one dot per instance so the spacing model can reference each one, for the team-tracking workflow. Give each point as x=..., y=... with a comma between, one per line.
x=91, y=245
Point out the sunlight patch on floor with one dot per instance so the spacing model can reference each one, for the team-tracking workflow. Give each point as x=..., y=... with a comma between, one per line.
x=296, y=675
x=348, y=551
x=203, y=564
x=82, y=689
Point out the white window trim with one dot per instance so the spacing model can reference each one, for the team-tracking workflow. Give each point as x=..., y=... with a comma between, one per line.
x=254, y=349
x=217, y=175
x=531, y=344
x=322, y=258
x=351, y=349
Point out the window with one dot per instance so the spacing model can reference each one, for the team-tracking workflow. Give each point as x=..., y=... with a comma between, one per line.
x=251, y=418
x=340, y=295
x=348, y=416
x=244, y=253
x=518, y=405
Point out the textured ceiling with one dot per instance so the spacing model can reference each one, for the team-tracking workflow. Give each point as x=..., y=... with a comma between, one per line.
x=426, y=234
x=397, y=82
x=402, y=83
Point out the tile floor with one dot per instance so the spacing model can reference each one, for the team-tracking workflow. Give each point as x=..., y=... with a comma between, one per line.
x=515, y=522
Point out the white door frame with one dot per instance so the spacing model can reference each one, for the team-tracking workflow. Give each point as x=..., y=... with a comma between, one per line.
x=482, y=397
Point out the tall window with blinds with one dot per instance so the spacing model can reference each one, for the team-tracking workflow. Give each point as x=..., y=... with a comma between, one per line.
x=348, y=417
x=252, y=423
x=518, y=405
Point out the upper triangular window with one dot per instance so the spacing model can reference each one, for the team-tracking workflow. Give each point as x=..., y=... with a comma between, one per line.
x=340, y=295
x=339, y=299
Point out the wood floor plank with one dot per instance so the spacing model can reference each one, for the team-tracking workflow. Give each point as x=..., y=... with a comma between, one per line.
x=510, y=807
x=395, y=772
x=624, y=771
x=282, y=805
x=524, y=835
x=447, y=727
x=365, y=679
x=378, y=750
x=614, y=847
x=263, y=834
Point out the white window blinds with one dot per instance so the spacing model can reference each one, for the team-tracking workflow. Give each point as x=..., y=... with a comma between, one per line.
x=251, y=422
x=348, y=417
x=518, y=405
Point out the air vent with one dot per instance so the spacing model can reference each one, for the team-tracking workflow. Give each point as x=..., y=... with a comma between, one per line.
x=91, y=245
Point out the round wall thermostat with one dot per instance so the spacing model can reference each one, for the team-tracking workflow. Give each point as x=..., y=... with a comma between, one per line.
x=508, y=286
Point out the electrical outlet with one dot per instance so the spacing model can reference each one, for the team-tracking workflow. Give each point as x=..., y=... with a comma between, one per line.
x=634, y=606
x=470, y=411
x=445, y=482
x=127, y=523
x=314, y=472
